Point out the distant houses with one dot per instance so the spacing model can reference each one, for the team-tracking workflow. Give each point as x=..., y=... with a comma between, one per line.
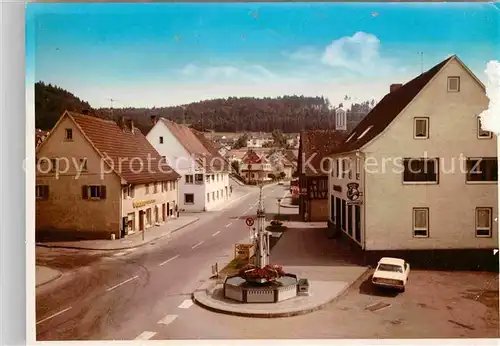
x=418, y=177
x=92, y=181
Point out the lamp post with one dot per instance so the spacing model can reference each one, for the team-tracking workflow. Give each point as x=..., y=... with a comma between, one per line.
x=262, y=258
x=279, y=208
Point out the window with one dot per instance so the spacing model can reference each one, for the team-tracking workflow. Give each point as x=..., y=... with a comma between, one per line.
x=343, y=215
x=131, y=222
x=162, y=186
x=420, y=222
x=42, y=192
x=207, y=178
x=482, y=169
x=213, y=195
x=83, y=165
x=483, y=222
x=164, y=159
x=189, y=179
x=93, y=192
x=54, y=165
x=199, y=178
x=217, y=194
x=69, y=135
x=482, y=134
x=128, y=191
x=421, y=128
x=349, y=168
x=188, y=198
x=357, y=223
x=161, y=139
x=349, y=219
x=421, y=171
x=453, y=84
x=155, y=187
x=208, y=197
x=213, y=177
x=147, y=189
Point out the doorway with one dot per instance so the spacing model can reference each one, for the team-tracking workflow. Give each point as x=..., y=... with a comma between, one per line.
x=124, y=226
x=141, y=220
x=337, y=214
x=168, y=209
x=157, y=214
x=163, y=211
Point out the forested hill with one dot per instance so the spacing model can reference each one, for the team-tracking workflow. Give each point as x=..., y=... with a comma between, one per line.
x=50, y=103
x=287, y=113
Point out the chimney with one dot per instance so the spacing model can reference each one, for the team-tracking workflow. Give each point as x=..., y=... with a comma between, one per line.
x=85, y=111
x=154, y=119
x=395, y=87
x=132, y=126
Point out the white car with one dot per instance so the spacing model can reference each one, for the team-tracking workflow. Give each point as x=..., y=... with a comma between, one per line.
x=391, y=272
x=281, y=182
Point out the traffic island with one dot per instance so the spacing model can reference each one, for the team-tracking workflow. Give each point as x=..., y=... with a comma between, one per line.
x=211, y=297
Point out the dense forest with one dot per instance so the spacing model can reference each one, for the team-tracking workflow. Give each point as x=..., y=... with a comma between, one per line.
x=287, y=113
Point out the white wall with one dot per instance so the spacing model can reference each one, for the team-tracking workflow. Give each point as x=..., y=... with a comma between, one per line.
x=213, y=186
x=452, y=202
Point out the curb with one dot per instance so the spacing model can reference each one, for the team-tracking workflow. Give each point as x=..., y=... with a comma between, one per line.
x=51, y=280
x=289, y=206
x=276, y=314
x=118, y=248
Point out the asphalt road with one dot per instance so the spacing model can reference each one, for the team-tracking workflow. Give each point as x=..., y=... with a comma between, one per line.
x=122, y=295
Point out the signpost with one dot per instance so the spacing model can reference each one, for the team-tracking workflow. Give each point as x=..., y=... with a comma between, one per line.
x=249, y=221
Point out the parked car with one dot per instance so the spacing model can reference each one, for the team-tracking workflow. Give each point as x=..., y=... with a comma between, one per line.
x=281, y=182
x=391, y=272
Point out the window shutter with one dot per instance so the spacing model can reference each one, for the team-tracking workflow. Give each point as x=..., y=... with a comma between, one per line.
x=103, y=192
x=46, y=192
x=85, y=192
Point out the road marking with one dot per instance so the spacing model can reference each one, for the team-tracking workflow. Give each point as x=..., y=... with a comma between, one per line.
x=167, y=319
x=130, y=250
x=119, y=254
x=213, y=235
x=186, y=304
x=122, y=283
x=169, y=260
x=196, y=245
x=145, y=336
x=54, y=315
x=229, y=224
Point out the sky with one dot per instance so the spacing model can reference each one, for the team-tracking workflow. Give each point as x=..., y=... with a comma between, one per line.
x=164, y=54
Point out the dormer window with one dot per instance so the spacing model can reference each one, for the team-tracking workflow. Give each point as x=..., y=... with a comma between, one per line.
x=482, y=134
x=365, y=132
x=453, y=84
x=350, y=137
x=421, y=128
x=68, y=135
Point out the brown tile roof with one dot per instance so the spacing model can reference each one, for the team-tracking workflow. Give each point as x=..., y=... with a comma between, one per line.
x=315, y=145
x=198, y=146
x=251, y=157
x=113, y=142
x=387, y=110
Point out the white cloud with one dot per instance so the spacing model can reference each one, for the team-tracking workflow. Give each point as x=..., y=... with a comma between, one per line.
x=490, y=118
x=251, y=73
x=357, y=52
x=304, y=54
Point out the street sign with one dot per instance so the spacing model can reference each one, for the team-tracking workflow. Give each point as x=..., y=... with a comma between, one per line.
x=249, y=221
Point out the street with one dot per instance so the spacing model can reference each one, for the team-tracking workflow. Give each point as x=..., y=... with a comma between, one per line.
x=145, y=293
x=120, y=294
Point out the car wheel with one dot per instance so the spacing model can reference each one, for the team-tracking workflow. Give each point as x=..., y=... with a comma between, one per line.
x=402, y=289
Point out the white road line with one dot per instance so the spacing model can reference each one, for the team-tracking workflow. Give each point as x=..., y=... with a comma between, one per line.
x=145, y=336
x=169, y=260
x=119, y=254
x=54, y=315
x=229, y=224
x=213, y=235
x=167, y=319
x=130, y=250
x=122, y=283
x=196, y=245
x=186, y=304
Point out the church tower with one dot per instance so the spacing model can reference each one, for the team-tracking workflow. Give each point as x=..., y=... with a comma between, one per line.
x=340, y=119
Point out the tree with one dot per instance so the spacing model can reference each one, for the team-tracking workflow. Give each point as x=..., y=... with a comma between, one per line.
x=235, y=166
x=241, y=142
x=279, y=138
x=282, y=175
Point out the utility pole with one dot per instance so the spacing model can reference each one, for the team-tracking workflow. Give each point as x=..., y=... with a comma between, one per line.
x=421, y=62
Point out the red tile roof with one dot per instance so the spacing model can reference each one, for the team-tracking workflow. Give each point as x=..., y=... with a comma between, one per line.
x=116, y=143
x=314, y=146
x=251, y=157
x=387, y=110
x=198, y=146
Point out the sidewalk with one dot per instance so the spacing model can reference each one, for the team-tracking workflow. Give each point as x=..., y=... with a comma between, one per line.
x=129, y=242
x=44, y=275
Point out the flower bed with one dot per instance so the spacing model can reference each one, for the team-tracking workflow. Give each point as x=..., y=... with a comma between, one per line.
x=269, y=273
x=276, y=226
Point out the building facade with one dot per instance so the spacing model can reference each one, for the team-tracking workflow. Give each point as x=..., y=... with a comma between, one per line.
x=255, y=168
x=87, y=186
x=205, y=183
x=419, y=173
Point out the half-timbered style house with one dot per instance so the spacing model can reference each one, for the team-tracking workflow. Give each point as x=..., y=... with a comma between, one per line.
x=313, y=172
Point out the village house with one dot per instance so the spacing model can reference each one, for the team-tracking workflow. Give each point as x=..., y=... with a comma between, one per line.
x=419, y=173
x=255, y=168
x=90, y=183
x=281, y=166
x=205, y=181
x=315, y=146
x=40, y=136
